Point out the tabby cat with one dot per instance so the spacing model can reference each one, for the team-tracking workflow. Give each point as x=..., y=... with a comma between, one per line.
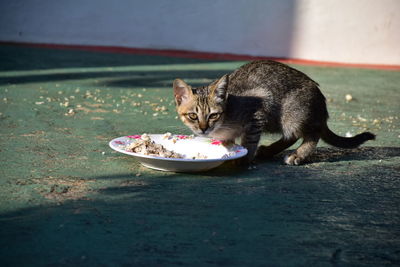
x=262, y=96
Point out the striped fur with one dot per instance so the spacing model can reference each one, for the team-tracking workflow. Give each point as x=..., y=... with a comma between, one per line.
x=261, y=96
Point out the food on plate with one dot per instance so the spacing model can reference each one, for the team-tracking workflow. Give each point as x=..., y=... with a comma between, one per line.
x=200, y=156
x=145, y=146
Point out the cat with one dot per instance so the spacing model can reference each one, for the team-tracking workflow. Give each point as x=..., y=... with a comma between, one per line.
x=261, y=96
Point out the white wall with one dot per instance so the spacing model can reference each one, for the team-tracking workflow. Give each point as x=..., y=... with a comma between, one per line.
x=355, y=31
x=351, y=31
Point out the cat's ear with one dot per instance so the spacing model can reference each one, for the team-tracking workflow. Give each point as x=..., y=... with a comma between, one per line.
x=182, y=91
x=219, y=89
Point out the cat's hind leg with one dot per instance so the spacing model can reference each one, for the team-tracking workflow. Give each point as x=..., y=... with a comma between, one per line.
x=303, y=151
x=265, y=152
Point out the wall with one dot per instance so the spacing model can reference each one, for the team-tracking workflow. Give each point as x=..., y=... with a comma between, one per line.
x=355, y=31
x=351, y=31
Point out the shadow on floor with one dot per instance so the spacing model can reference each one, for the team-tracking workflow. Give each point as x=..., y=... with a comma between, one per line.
x=357, y=154
x=251, y=218
x=22, y=58
x=120, y=79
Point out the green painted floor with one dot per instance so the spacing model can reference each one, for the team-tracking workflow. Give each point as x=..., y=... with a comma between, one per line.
x=66, y=199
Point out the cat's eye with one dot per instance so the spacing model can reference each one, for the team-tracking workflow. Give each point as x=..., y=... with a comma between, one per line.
x=192, y=116
x=214, y=116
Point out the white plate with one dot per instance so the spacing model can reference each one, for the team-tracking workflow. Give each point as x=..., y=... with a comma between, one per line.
x=214, y=150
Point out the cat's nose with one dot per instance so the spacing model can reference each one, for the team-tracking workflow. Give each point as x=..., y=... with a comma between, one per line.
x=203, y=127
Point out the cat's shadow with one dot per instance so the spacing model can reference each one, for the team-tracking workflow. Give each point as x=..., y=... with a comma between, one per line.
x=331, y=154
x=322, y=154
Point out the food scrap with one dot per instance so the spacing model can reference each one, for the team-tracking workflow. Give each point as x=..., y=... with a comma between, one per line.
x=349, y=97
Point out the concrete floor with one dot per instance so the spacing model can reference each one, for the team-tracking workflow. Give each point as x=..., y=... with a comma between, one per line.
x=67, y=199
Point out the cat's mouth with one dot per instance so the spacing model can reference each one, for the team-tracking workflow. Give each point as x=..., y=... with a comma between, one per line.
x=206, y=133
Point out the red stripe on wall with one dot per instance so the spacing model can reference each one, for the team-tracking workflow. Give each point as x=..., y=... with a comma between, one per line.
x=198, y=55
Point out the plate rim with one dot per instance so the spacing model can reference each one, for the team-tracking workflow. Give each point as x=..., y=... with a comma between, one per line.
x=243, y=152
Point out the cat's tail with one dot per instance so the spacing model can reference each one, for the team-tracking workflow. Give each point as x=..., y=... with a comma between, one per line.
x=345, y=142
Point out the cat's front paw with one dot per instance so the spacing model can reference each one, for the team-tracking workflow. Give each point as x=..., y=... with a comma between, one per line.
x=228, y=143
